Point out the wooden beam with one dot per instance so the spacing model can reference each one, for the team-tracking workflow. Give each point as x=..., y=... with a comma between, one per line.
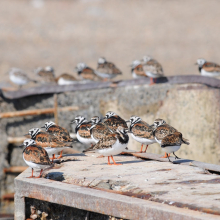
x=55, y=109
x=15, y=169
x=37, y=112
x=15, y=140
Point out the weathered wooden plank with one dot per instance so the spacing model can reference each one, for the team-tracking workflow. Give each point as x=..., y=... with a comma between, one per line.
x=50, y=89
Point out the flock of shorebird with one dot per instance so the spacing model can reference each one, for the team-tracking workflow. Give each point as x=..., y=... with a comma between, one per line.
x=108, y=138
x=146, y=67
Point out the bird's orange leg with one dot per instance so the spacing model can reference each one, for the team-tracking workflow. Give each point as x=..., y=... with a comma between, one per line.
x=40, y=173
x=60, y=155
x=109, y=161
x=141, y=148
x=165, y=155
x=53, y=157
x=114, y=161
x=146, y=149
x=32, y=174
x=152, y=81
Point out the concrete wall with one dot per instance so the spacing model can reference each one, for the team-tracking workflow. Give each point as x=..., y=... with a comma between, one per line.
x=191, y=108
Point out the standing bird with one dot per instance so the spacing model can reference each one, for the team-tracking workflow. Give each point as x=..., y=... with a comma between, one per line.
x=82, y=130
x=172, y=143
x=141, y=132
x=35, y=156
x=86, y=73
x=112, y=144
x=152, y=68
x=107, y=69
x=161, y=130
x=137, y=70
x=66, y=79
x=113, y=121
x=208, y=68
x=62, y=133
x=46, y=74
x=19, y=77
x=98, y=129
x=49, y=142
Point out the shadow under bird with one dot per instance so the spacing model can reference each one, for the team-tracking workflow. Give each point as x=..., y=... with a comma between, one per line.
x=19, y=77
x=86, y=73
x=107, y=70
x=82, y=130
x=113, y=121
x=137, y=70
x=152, y=68
x=141, y=132
x=161, y=130
x=49, y=142
x=35, y=156
x=208, y=68
x=112, y=144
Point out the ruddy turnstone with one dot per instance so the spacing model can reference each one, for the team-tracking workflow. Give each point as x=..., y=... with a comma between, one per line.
x=141, y=132
x=98, y=130
x=161, y=130
x=113, y=121
x=46, y=74
x=107, y=69
x=112, y=144
x=137, y=70
x=208, y=68
x=66, y=79
x=62, y=133
x=19, y=77
x=49, y=142
x=172, y=143
x=35, y=156
x=152, y=68
x=86, y=73
x=82, y=130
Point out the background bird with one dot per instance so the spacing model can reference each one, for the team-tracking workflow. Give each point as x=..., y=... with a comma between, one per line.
x=66, y=79
x=46, y=75
x=137, y=70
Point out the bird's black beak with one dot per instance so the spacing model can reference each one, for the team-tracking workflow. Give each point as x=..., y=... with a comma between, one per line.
x=72, y=122
x=43, y=126
x=26, y=134
x=104, y=118
x=127, y=121
x=196, y=63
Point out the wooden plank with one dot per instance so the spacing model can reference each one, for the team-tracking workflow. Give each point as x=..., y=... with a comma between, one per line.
x=15, y=140
x=37, y=112
x=55, y=109
x=15, y=169
x=50, y=89
x=206, y=166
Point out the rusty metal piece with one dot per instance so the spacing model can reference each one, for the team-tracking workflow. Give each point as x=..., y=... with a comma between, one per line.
x=212, y=181
x=15, y=169
x=37, y=112
x=8, y=197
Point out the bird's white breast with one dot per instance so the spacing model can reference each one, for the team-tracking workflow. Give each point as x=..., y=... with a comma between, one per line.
x=171, y=149
x=86, y=141
x=143, y=140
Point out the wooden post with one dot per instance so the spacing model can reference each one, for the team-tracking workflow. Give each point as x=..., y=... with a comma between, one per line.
x=55, y=109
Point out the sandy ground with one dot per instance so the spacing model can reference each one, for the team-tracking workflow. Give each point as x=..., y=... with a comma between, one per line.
x=62, y=33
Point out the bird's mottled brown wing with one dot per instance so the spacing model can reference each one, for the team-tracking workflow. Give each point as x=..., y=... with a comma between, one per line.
x=104, y=143
x=114, y=122
x=88, y=74
x=108, y=68
x=66, y=76
x=100, y=131
x=163, y=130
x=84, y=130
x=36, y=154
x=61, y=133
x=143, y=130
x=138, y=70
x=172, y=140
x=47, y=140
x=154, y=67
x=46, y=76
x=211, y=67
